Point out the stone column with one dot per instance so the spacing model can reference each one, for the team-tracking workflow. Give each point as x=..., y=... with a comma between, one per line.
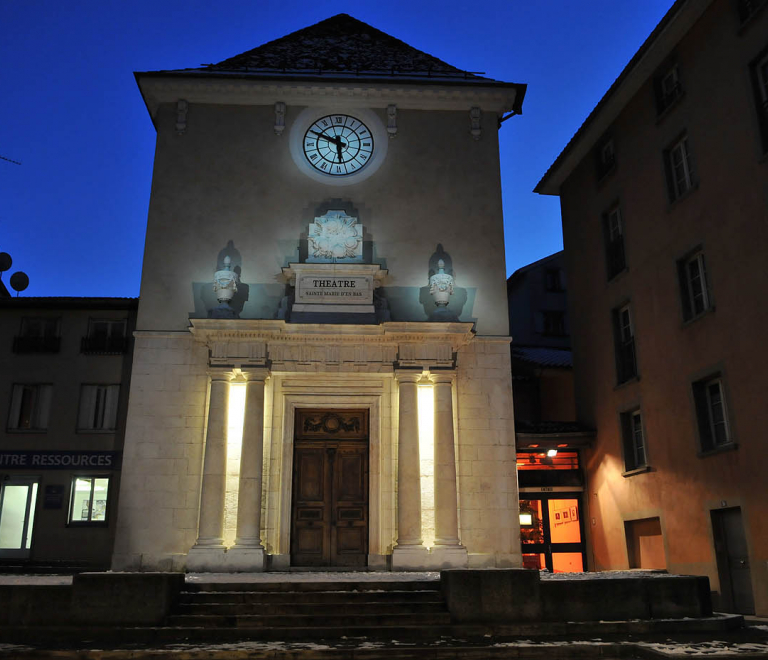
x=208, y=552
x=248, y=553
x=447, y=550
x=409, y=553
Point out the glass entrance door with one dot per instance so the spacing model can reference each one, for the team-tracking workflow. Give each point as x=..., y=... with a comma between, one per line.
x=18, y=496
x=551, y=531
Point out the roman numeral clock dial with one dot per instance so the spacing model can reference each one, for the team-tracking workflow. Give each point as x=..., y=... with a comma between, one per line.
x=335, y=148
x=338, y=145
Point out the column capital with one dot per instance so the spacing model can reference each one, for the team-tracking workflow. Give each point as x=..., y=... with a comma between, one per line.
x=442, y=377
x=256, y=374
x=408, y=375
x=221, y=374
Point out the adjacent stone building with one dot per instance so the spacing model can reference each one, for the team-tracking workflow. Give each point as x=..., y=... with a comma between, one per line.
x=65, y=367
x=664, y=191
x=321, y=372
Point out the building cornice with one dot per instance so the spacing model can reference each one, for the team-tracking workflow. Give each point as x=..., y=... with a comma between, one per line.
x=159, y=88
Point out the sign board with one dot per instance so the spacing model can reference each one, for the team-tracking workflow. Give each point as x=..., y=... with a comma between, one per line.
x=60, y=460
x=346, y=290
x=54, y=497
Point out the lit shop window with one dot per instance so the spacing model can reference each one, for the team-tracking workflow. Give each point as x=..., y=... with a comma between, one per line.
x=89, y=500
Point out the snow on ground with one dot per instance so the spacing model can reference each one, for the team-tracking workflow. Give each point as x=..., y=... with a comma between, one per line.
x=315, y=576
x=56, y=580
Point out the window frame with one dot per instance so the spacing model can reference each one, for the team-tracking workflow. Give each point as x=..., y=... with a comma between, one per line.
x=90, y=522
x=675, y=190
x=634, y=454
x=42, y=398
x=105, y=406
x=39, y=341
x=555, y=319
x=605, y=157
x=615, y=249
x=688, y=294
x=624, y=344
x=92, y=343
x=553, y=281
x=705, y=417
x=667, y=96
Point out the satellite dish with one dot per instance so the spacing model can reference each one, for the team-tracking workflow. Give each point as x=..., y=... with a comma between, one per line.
x=5, y=262
x=19, y=282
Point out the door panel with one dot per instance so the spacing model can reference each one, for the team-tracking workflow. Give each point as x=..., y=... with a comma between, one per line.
x=349, y=542
x=329, y=511
x=732, y=561
x=551, y=533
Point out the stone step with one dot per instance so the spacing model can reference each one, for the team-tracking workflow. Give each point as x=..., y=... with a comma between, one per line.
x=372, y=623
x=326, y=597
x=314, y=609
x=261, y=587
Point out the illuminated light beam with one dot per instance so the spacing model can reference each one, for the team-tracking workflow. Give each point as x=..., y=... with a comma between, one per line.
x=426, y=399
x=235, y=419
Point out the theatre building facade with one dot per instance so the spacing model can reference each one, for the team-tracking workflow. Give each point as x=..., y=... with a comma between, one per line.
x=322, y=367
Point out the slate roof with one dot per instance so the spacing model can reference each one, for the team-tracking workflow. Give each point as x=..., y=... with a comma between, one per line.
x=340, y=44
x=544, y=357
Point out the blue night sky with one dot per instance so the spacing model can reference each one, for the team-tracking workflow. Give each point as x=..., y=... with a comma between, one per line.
x=73, y=215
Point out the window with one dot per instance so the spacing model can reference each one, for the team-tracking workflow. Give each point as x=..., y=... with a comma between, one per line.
x=679, y=167
x=105, y=336
x=606, y=158
x=668, y=89
x=30, y=405
x=38, y=335
x=624, y=335
x=553, y=280
x=553, y=323
x=759, y=71
x=711, y=413
x=614, y=242
x=694, y=289
x=645, y=544
x=633, y=440
x=88, y=503
x=98, y=408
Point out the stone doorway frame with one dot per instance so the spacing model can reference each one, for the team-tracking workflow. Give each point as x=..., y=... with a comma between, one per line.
x=295, y=393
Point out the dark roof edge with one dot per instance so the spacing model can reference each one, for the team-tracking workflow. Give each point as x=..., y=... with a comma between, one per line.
x=533, y=264
x=437, y=80
x=69, y=302
x=647, y=45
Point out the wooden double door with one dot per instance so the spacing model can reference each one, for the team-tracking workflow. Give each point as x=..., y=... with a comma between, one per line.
x=329, y=510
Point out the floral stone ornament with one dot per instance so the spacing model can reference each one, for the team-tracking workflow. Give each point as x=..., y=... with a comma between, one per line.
x=335, y=237
x=225, y=286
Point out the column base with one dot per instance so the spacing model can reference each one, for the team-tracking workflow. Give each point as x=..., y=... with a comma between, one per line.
x=244, y=559
x=448, y=556
x=410, y=558
x=205, y=559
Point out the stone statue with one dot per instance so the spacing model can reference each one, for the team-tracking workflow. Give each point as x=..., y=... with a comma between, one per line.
x=225, y=283
x=441, y=285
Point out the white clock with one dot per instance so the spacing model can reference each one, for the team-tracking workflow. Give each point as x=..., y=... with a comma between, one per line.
x=338, y=147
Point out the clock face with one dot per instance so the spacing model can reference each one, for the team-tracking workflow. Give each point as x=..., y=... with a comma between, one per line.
x=338, y=145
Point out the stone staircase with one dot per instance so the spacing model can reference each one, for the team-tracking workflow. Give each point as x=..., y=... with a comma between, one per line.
x=312, y=610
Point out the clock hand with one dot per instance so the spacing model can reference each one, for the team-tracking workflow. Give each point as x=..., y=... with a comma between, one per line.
x=338, y=150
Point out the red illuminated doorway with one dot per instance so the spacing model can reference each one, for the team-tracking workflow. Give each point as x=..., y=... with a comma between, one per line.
x=552, y=532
